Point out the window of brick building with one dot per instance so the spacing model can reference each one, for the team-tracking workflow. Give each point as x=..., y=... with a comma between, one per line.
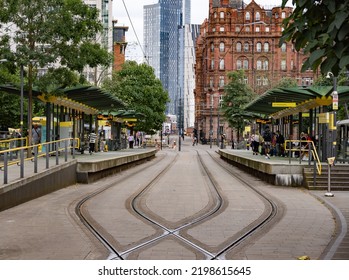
x=238, y=47
x=221, y=47
x=238, y=64
x=283, y=47
x=258, y=16
x=221, y=81
x=266, y=47
x=283, y=64
x=259, y=47
x=246, y=47
x=221, y=64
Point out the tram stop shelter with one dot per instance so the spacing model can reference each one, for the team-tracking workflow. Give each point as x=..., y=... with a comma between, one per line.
x=71, y=105
x=289, y=107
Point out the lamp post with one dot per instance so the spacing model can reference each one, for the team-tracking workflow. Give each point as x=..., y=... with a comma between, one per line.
x=334, y=108
x=331, y=159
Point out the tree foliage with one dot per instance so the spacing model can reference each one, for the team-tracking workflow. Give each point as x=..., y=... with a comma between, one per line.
x=237, y=95
x=321, y=28
x=44, y=33
x=51, y=31
x=137, y=85
x=286, y=82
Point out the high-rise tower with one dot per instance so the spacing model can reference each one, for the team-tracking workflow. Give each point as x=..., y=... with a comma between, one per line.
x=162, y=22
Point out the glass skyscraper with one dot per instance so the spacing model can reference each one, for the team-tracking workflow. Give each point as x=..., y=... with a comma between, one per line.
x=162, y=24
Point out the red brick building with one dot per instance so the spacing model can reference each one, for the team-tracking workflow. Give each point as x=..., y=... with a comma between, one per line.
x=119, y=45
x=239, y=36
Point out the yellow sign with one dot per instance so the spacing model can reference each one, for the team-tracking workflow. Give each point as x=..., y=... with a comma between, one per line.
x=331, y=160
x=130, y=119
x=324, y=117
x=335, y=105
x=284, y=104
x=263, y=121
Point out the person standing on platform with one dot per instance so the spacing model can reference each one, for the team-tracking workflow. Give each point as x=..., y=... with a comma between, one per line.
x=36, y=135
x=280, y=142
x=256, y=143
x=92, y=141
x=131, y=141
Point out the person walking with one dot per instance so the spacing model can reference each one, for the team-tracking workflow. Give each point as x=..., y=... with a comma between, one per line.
x=92, y=141
x=267, y=141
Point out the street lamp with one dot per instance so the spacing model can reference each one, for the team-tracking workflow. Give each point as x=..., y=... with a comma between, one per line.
x=334, y=108
x=331, y=160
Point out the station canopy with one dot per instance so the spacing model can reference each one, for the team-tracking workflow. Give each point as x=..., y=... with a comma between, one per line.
x=87, y=99
x=282, y=102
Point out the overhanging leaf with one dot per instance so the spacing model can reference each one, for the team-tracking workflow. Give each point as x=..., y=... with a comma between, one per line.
x=344, y=62
x=316, y=55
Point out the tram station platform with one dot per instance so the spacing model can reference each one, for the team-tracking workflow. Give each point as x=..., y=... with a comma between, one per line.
x=280, y=171
x=82, y=168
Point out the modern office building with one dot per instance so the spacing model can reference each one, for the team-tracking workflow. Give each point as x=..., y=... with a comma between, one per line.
x=96, y=75
x=239, y=36
x=162, y=24
x=186, y=77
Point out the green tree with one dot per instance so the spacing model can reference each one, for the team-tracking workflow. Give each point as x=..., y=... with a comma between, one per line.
x=286, y=83
x=47, y=32
x=10, y=114
x=237, y=95
x=57, y=79
x=137, y=85
x=321, y=29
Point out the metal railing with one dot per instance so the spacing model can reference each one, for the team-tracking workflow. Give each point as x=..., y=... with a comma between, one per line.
x=34, y=152
x=303, y=147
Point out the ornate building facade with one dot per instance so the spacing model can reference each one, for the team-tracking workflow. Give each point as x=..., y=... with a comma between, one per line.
x=239, y=36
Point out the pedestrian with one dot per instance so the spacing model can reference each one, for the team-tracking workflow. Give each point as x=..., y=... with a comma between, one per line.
x=36, y=135
x=280, y=144
x=305, y=140
x=256, y=143
x=267, y=141
x=130, y=141
x=194, y=140
x=273, y=144
x=92, y=141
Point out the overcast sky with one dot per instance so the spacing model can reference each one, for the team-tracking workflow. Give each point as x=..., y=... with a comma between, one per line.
x=199, y=11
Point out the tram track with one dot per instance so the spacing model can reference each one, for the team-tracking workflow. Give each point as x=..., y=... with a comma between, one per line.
x=177, y=232
x=268, y=219
x=91, y=225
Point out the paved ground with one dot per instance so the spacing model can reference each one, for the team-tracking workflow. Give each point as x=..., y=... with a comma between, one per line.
x=44, y=228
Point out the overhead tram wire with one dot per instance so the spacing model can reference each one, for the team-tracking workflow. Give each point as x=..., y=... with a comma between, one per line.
x=134, y=31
